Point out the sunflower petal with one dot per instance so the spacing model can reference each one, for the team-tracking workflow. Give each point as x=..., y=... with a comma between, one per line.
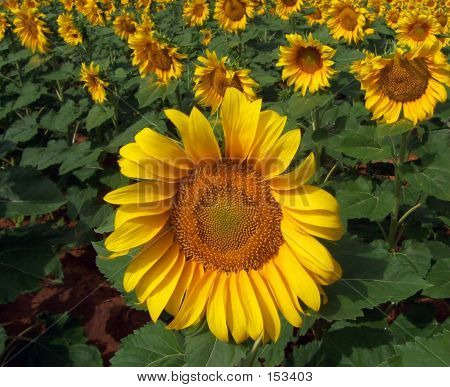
x=216, y=310
x=299, y=176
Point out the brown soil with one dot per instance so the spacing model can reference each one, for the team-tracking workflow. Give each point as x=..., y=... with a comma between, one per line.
x=88, y=298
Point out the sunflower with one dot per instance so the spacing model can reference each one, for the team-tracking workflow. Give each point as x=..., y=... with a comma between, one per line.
x=260, y=7
x=319, y=16
x=416, y=28
x=95, y=85
x=348, y=21
x=393, y=18
x=3, y=25
x=153, y=56
x=11, y=5
x=68, y=4
x=124, y=26
x=442, y=17
x=224, y=234
x=143, y=4
x=31, y=30
x=206, y=36
x=307, y=64
x=409, y=83
x=232, y=15
x=285, y=8
x=68, y=31
x=214, y=78
x=93, y=13
x=195, y=12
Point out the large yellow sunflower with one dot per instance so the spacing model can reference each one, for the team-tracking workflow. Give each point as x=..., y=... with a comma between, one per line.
x=285, y=8
x=68, y=31
x=307, y=64
x=348, y=21
x=417, y=28
x=225, y=234
x=408, y=84
x=92, y=81
x=31, y=30
x=215, y=77
x=153, y=56
x=125, y=26
x=232, y=15
x=3, y=25
x=196, y=12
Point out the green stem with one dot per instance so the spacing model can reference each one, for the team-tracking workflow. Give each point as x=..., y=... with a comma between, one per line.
x=393, y=227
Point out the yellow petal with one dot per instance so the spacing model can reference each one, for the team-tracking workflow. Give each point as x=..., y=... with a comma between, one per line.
x=157, y=301
x=299, y=176
x=135, y=171
x=268, y=308
x=157, y=273
x=142, y=192
x=216, y=310
x=145, y=260
x=163, y=149
x=173, y=306
x=333, y=233
x=180, y=120
x=251, y=307
x=135, y=232
x=131, y=211
x=307, y=198
x=236, y=318
x=195, y=302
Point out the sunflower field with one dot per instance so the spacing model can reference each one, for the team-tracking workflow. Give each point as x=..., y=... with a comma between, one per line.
x=224, y=183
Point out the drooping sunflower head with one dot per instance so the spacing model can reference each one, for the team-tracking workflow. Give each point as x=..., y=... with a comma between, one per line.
x=196, y=12
x=92, y=12
x=348, y=21
x=416, y=29
x=125, y=26
x=153, y=56
x=232, y=15
x=285, y=8
x=206, y=36
x=225, y=234
x=307, y=64
x=3, y=25
x=68, y=31
x=214, y=77
x=407, y=84
x=31, y=30
x=89, y=75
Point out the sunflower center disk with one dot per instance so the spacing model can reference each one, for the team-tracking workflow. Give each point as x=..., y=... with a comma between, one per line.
x=309, y=59
x=405, y=81
x=226, y=218
x=290, y=3
x=349, y=19
x=161, y=59
x=419, y=31
x=234, y=9
x=198, y=10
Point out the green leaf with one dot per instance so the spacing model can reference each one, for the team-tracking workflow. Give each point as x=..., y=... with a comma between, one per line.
x=23, y=129
x=149, y=91
x=417, y=254
x=394, y=129
x=423, y=352
x=305, y=355
x=439, y=277
x=299, y=106
x=272, y=354
x=60, y=121
x=345, y=57
x=98, y=115
x=205, y=350
x=371, y=276
x=29, y=93
x=23, y=192
x=80, y=156
x=359, y=200
x=151, y=346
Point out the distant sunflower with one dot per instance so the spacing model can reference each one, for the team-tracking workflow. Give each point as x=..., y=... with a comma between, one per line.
x=416, y=28
x=393, y=18
x=124, y=26
x=11, y=5
x=143, y=4
x=307, y=64
x=285, y=8
x=442, y=17
x=225, y=235
x=3, y=25
x=92, y=81
x=93, y=13
x=348, y=21
x=319, y=16
x=31, y=30
x=153, y=56
x=232, y=15
x=68, y=31
x=260, y=7
x=68, y=4
x=404, y=83
x=206, y=36
x=196, y=12
x=214, y=78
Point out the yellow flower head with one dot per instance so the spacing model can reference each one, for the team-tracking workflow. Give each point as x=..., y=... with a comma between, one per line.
x=31, y=30
x=214, y=78
x=92, y=12
x=92, y=81
x=232, y=15
x=125, y=26
x=3, y=25
x=393, y=17
x=348, y=21
x=319, y=16
x=307, y=64
x=407, y=84
x=68, y=31
x=415, y=29
x=260, y=7
x=11, y=5
x=68, y=4
x=225, y=235
x=206, y=36
x=285, y=8
x=196, y=12
x=153, y=56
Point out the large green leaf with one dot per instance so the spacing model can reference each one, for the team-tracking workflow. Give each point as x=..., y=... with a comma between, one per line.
x=98, y=115
x=439, y=277
x=151, y=346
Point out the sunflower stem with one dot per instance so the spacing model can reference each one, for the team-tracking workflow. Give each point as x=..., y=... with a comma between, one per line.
x=393, y=227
